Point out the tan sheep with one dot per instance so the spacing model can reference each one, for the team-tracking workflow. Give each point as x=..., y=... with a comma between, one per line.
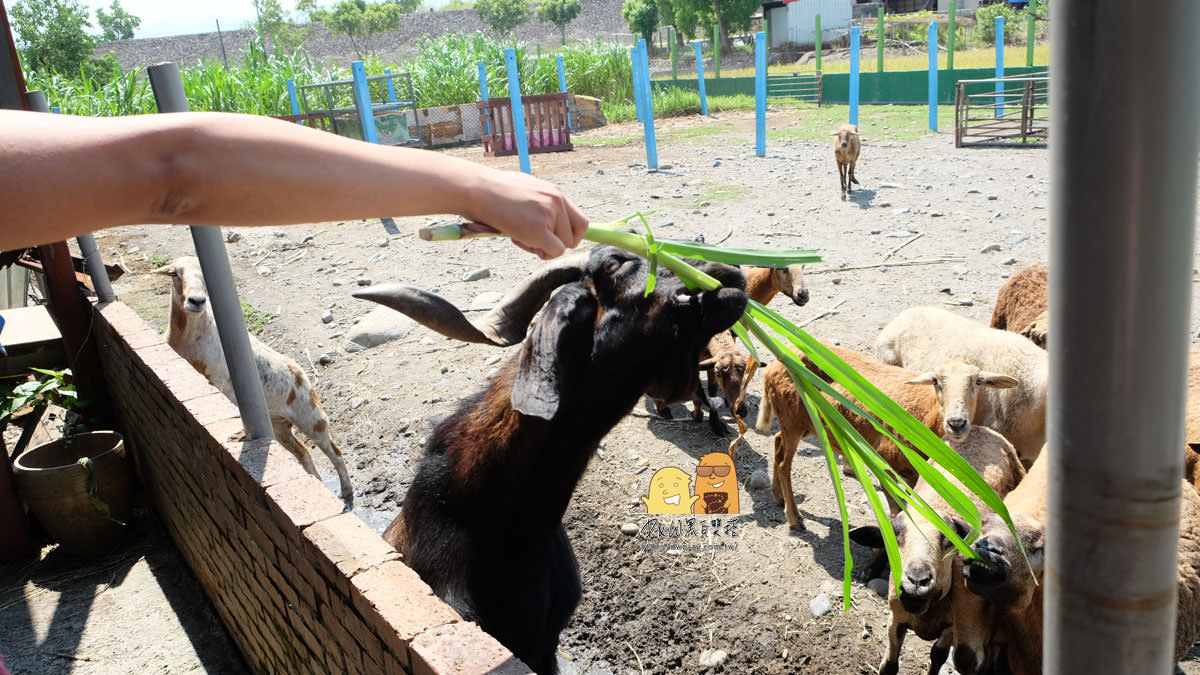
x=922, y=337
x=930, y=567
x=846, y=146
x=1022, y=299
x=945, y=408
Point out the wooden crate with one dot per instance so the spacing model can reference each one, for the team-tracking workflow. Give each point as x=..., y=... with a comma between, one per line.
x=545, y=124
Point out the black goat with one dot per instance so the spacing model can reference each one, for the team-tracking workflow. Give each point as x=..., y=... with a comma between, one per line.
x=482, y=521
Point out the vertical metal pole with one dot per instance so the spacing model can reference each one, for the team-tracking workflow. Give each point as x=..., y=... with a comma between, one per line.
x=87, y=243
x=294, y=98
x=855, y=48
x=933, y=76
x=647, y=108
x=674, y=56
x=817, y=41
x=483, y=93
x=562, y=87
x=879, y=42
x=391, y=86
x=518, y=109
x=214, y=262
x=1118, y=361
x=1030, y=31
x=700, y=78
x=760, y=94
x=221, y=37
x=952, y=35
x=636, y=71
x=717, y=50
x=999, y=65
x=362, y=101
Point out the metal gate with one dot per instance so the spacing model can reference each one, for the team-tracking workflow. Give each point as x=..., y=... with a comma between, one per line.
x=797, y=86
x=1016, y=113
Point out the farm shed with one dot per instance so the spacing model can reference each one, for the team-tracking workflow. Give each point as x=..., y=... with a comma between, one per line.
x=794, y=21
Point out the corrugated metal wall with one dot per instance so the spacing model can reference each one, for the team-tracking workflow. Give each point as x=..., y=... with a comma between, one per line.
x=799, y=17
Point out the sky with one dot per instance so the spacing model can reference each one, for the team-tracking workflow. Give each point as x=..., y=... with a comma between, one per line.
x=161, y=18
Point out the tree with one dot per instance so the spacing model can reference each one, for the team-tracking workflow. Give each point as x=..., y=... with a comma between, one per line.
x=119, y=25
x=52, y=34
x=560, y=13
x=502, y=16
x=642, y=17
x=275, y=24
x=360, y=20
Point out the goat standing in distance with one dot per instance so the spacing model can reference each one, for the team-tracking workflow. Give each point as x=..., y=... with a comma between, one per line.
x=724, y=362
x=482, y=521
x=291, y=400
x=846, y=146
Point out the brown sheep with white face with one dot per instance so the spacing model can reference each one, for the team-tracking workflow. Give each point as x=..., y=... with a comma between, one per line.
x=845, y=150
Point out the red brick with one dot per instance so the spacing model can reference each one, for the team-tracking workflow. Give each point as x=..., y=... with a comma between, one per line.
x=398, y=606
x=121, y=318
x=145, y=337
x=267, y=462
x=461, y=649
x=392, y=666
x=350, y=545
x=304, y=501
x=371, y=645
x=211, y=408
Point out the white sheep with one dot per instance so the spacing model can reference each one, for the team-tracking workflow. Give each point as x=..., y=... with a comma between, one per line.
x=922, y=337
x=846, y=147
x=930, y=567
x=946, y=408
x=291, y=400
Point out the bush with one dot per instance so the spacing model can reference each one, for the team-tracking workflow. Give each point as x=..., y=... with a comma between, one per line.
x=986, y=17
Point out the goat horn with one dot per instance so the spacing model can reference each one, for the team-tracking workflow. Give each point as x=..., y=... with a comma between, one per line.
x=706, y=364
x=506, y=324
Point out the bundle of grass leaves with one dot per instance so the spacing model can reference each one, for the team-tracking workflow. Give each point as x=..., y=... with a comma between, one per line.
x=789, y=344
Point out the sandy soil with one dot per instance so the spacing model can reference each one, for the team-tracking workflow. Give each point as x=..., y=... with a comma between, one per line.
x=919, y=230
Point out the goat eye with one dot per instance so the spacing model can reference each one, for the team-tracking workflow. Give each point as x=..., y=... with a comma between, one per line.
x=979, y=382
x=612, y=264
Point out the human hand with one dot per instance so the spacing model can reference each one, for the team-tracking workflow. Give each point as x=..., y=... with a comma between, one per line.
x=534, y=213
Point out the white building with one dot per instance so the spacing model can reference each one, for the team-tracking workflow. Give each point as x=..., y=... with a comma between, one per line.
x=794, y=21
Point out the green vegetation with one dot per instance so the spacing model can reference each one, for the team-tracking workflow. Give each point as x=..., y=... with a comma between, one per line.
x=502, y=16
x=52, y=34
x=674, y=102
x=360, y=20
x=641, y=16
x=256, y=319
x=717, y=192
x=875, y=122
x=560, y=13
x=116, y=24
x=159, y=259
x=604, y=140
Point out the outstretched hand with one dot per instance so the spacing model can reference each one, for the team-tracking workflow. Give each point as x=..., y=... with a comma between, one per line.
x=535, y=214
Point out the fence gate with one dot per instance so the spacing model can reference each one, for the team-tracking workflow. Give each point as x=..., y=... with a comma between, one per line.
x=1017, y=114
x=802, y=87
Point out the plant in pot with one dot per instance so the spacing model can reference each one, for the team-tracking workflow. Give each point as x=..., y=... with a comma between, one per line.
x=79, y=486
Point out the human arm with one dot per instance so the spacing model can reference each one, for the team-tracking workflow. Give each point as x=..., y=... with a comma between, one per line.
x=61, y=176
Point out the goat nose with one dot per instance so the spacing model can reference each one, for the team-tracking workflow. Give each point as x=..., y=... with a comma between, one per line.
x=965, y=660
x=197, y=300
x=957, y=424
x=920, y=577
x=843, y=144
x=802, y=297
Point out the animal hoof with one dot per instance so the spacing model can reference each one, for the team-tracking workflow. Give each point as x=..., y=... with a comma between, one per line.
x=665, y=413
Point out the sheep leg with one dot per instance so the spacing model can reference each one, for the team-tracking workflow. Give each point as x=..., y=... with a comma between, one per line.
x=891, y=660
x=311, y=421
x=842, y=176
x=283, y=434
x=852, y=178
x=939, y=652
x=663, y=409
x=781, y=484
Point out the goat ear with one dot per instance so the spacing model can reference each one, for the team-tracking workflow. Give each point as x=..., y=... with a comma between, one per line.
x=867, y=535
x=561, y=341
x=997, y=381
x=923, y=378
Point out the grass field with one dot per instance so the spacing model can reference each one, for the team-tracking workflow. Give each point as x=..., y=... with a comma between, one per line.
x=1014, y=55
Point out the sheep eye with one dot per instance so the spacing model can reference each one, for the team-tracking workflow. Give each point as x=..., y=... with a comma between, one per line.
x=979, y=382
x=612, y=264
x=937, y=384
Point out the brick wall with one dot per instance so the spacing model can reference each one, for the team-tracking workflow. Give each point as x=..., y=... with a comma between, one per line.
x=301, y=586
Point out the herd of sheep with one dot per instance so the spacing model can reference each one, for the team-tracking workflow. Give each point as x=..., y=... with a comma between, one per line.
x=482, y=520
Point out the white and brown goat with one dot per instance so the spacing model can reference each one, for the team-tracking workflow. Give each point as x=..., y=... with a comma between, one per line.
x=291, y=400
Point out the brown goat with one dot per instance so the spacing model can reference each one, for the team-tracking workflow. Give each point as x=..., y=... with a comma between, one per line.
x=482, y=521
x=1023, y=299
x=846, y=147
x=947, y=409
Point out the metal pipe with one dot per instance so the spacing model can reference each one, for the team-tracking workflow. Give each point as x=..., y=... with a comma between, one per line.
x=214, y=262
x=1123, y=180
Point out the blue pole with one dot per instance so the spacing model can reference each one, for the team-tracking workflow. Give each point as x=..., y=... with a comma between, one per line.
x=637, y=84
x=518, y=109
x=855, y=41
x=562, y=88
x=391, y=86
x=999, y=65
x=700, y=79
x=760, y=93
x=483, y=93
x=362, y=100
x=933, y=75
x=291, y=87
x=647, y=108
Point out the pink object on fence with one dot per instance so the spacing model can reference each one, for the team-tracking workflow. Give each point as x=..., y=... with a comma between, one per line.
x=3, y=670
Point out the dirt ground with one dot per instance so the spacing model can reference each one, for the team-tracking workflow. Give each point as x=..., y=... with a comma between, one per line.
x=928, y=225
